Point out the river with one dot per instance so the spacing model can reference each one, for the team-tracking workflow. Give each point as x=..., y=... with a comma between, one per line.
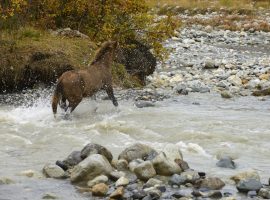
x=203, y=125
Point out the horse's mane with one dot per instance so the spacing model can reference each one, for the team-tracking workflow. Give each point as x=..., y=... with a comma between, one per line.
x=101, y=51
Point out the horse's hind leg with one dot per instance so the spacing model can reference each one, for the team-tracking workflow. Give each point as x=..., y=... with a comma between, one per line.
x=63, y=103
x=109, y=91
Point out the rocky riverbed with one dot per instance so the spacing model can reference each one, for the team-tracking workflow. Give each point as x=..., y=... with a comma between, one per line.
x=141, y=172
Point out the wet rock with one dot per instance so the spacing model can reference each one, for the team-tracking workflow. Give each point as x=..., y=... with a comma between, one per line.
x=249, y=185
x=226, y=94
x=198, y=86
x=115, y=175
x=211, y=183
x=152, y=182
x=100, y=189
x=209, y=64
x=190, y=176
x=137, y=150
x=73, y=159
x=49, y=196
x=90, y=167
x=182, y=164
x=53, y=171
x=145, y=170
x=181, y=89
x=246, y=175
x=164, y=166
x=123, y=181
x=138, y=194
x=97, y=180
x=226, y=162
x=176, y=179
x=143, y=104
x=264, y=193
x=153, y=192
x=93, y=148
x=134, y=163
x=6, y=181
x=252, y=194
x=172, y=152
x=118, y=193
x=122, y=164
x=235, y=80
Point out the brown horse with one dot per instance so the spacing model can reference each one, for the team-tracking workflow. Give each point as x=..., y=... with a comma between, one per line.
x=73, y=85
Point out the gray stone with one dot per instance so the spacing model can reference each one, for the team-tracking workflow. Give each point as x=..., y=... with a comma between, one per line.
x=93, y=148
x=134, y=163
x=97, y=180
x=123, y=181
x=122, y=164
x=249, y=185
x=181, y=89
x=115, y=175
x=137, y=150
x=153, y=192
x=73, y=159
x=209, y=63
x=182, y=164
x=190, y=176
x=176, y=179
x=172, y=152
x=264, y=193
x=164, y=166
x=212, y=183
x=94, y=165
x=245, y=176
x=152, y=182
x=235, y=80
x=145, y=170
x=226, y=94
x=54, y=171
x=226, y=162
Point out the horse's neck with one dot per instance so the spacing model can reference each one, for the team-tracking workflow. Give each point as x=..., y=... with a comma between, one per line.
x=106, y=60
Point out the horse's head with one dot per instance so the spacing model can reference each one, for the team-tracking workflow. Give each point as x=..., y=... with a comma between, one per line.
x=107, y=48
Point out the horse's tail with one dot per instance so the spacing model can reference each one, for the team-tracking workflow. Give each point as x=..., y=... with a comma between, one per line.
x=56, y=96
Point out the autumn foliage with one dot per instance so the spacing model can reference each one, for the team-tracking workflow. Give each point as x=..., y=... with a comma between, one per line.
x=101, y=20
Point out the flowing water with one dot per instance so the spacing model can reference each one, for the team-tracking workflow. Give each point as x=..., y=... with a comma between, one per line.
x=203, y=125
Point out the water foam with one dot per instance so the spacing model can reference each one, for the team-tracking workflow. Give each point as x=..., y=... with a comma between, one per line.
x=193, y=148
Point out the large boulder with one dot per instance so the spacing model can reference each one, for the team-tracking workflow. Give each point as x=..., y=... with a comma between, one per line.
x=138, y=151
x=93, y=148
x=165, y=166
x=137, y=59
x=94, y=165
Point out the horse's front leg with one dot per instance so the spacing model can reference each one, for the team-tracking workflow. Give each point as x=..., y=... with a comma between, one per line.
x=109, y=90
